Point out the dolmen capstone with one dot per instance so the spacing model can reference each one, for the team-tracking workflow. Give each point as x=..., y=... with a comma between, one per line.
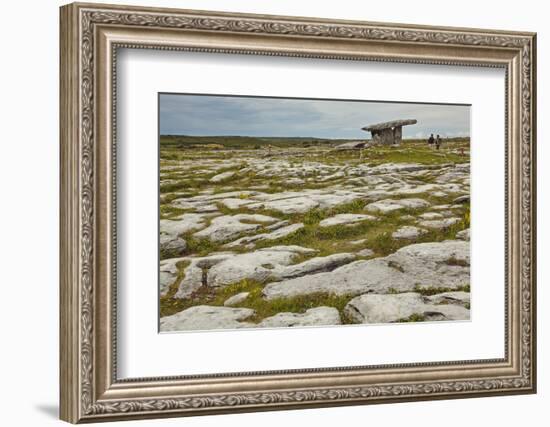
x=388, y=133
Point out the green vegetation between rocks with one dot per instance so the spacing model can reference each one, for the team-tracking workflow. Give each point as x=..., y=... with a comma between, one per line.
x=179, y=182
x=263, y=308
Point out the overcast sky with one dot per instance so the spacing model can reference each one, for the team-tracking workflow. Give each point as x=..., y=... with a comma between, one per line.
x=243, y=116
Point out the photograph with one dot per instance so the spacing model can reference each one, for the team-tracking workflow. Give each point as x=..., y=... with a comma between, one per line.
x=296, y=212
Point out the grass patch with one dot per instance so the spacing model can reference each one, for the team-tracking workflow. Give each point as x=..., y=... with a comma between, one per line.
x=194, y=158
x=201, y=247
x=262, y=307
x=415, y=317
x=170, y=211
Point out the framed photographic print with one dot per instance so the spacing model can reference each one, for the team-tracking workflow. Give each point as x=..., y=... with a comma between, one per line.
x=266, y=212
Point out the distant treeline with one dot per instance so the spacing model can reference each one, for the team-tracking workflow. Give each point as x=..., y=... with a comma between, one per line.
x=252, y=142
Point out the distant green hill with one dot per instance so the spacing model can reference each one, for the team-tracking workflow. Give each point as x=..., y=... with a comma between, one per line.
x=244, y=142
x=252, y=142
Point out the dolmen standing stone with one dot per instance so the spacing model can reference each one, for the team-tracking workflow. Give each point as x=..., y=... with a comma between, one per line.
x=388, y=133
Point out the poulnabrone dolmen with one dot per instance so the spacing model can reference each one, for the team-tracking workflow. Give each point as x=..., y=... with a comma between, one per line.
x=388, y=133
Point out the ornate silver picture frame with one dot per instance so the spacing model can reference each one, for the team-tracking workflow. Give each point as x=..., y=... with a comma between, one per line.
x=91, y=35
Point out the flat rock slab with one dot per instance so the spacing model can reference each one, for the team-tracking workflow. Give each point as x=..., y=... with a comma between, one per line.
x=397, y=168
x=274, y=265
x=291, y=248
x=439, y=223
x=462, y=199
x=168, y=274
x=232, y=203
x=274, y=235
x=257, y=265
x=437, y=264
x=184, y=224
x=371, y=308
x=430, y=215
x=172, y=244
x=408, y=232
x=409, y=190
x=457, y=297
x=236, y=299
x=195, y=273
x=334, y=198
x=318, y=316
x=226, y=227
x=346, y=219
x=314, y=265
x=391, y=205
x=222, y=177
x=365, y=252
x=290, y=202
x=288, y=206
x=208, y=200
x=204, y=317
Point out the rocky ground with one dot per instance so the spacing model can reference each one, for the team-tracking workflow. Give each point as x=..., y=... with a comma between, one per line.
x=313, y=236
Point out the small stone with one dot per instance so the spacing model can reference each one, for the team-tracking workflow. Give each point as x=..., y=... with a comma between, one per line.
x=384, y=206
x=184, y=224
x=463, y=235
x=172, y=245
x=228, y=226
x=439, y=223
x=168, y=274
x=288, y=206
x=408, y=232
x=318, y=316
x=346, y=219
x=222, y=177
x=391, y=205
x=274, y=235
x=232, y=203
x=456, y=297
x=290, y=248
x=462, y=199
x=430, y=215
x=365, y=252
x=236, y=299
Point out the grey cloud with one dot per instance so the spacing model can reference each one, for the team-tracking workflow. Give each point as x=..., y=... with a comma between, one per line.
x=257, y=116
